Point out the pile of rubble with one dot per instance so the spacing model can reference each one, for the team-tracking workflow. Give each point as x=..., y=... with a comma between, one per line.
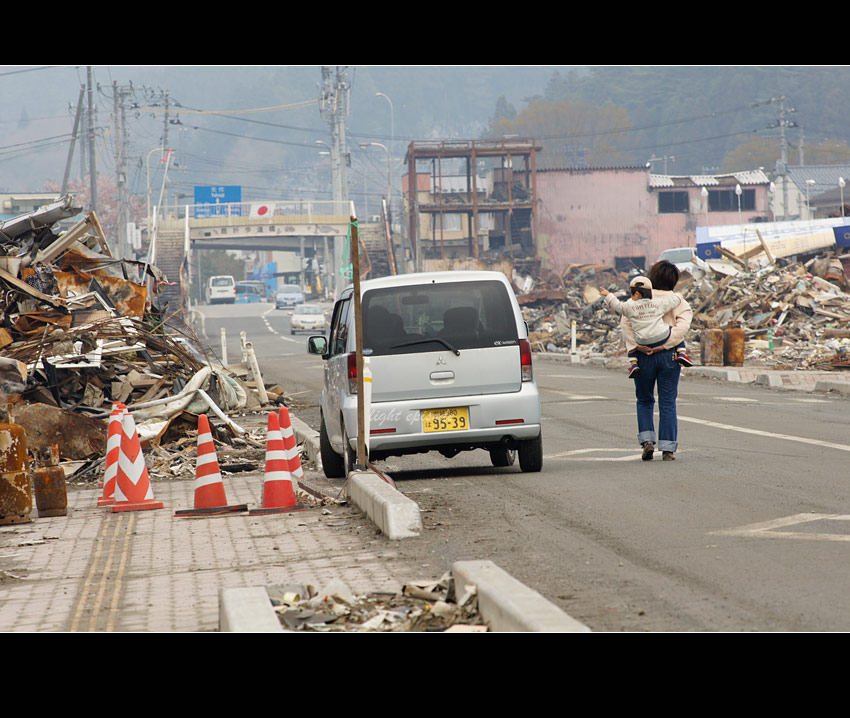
x=82, y=329
x=426, y=606
x=795, y=315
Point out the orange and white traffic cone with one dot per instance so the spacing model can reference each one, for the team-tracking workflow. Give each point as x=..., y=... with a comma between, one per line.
x=293, y=456
x=278, y=491
x=133, y=491
x=113, y=448
x=210, y=498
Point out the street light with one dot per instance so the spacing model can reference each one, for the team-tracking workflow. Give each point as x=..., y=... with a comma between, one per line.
x=389, y=184
x=392, y=118
x=739, y=192
x=841, y=184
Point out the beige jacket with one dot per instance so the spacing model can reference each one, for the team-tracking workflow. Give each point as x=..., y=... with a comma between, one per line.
x=679, y=318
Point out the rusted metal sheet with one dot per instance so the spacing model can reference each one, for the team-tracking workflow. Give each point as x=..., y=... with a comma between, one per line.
x=15, y=486
x=78, y=436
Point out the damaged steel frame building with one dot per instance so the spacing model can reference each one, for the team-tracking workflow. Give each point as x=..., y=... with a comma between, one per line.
x=458, y=218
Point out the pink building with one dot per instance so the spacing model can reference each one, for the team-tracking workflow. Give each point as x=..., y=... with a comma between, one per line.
x=603, y=216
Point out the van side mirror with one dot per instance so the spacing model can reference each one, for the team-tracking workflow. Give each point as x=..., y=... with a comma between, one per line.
x=317, y=345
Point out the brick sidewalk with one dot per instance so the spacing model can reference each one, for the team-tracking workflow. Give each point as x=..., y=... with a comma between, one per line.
x=147, y=571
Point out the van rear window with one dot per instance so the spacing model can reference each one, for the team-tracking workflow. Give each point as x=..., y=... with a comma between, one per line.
x=436, y=317
x=222, y=281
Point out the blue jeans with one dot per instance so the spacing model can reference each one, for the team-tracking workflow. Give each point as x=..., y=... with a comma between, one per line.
x=659, y=370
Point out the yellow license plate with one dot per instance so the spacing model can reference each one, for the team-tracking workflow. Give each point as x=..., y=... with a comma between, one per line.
x=454, y=419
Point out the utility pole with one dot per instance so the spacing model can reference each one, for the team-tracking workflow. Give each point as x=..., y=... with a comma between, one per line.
x=782, y=164
x=334, y=109
x=118, y=95
x=74, y=136
x=92, y=165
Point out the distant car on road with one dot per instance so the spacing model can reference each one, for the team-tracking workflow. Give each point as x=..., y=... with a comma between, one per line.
x=290, y=296
x=247, y=293
x=307, y=317
x=261, y=286
x=452, y=362
x=220, y=289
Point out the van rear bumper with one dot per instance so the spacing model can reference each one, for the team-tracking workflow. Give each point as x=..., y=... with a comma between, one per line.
x=396, y=427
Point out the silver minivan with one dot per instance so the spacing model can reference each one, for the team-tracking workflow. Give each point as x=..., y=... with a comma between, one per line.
x=451, y=371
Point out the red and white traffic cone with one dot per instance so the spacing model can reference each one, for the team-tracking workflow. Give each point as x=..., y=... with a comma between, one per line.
x=293, y=456
x=113, y=448
x=133, y=491
x=210, y=498
x=278, y=491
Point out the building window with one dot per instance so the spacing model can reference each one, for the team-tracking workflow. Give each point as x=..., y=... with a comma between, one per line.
x=670, y=202
x=725, y=200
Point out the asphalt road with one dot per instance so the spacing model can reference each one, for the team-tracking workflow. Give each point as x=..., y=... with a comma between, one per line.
x=748, y=530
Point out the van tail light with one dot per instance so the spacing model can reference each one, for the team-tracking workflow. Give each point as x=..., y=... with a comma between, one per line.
x=525, y=360
x=352, y=373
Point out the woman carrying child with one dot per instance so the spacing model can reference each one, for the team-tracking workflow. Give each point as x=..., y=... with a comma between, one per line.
x=660, y=366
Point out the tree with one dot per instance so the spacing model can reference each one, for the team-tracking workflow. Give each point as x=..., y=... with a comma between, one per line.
x=560, y=127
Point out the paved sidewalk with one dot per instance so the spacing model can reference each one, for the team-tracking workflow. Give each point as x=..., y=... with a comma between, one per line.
x=148, y=571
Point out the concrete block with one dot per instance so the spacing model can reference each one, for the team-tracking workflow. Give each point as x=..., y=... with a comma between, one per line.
x=509, y=605
x=396, y=515
x=309, y=438
x=246, y=610
x=842, y=387
x=769, y=379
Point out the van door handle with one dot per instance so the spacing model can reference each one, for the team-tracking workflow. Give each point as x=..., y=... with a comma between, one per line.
x=442, y=375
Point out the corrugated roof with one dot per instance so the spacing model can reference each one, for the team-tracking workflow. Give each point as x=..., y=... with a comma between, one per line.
x=705, y=180
x=661, y=181
x=823, y=177
x=746, y=178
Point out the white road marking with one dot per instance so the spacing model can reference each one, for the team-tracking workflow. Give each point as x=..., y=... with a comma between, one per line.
x=769, y=434
x=573, y=455
x=736, y=398
x=576, y=397
x=769, y=529
x=272, y=329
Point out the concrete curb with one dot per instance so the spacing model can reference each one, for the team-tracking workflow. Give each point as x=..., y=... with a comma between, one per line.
x=510, y=606
x=507, y=605
x=842, y=387
x=391, y=511
x=309, y=438
x=246, y=610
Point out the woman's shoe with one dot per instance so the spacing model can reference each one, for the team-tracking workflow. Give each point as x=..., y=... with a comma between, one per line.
x=648, y=449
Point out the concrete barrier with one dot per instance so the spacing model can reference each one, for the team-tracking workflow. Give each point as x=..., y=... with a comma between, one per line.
x=507, y=605
x=391, y=511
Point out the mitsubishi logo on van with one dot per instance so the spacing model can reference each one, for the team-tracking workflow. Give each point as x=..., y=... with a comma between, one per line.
x=441, y=360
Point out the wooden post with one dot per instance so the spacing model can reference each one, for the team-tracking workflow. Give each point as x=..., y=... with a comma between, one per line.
x=358, y=336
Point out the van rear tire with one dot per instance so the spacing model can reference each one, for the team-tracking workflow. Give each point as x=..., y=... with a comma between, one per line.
x=531, y=454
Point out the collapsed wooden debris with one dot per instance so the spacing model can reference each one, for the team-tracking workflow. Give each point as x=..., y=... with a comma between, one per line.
x=82, y=329
x=794, y=315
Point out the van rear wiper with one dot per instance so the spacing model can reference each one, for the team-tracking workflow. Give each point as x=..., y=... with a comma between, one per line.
x=427, y=341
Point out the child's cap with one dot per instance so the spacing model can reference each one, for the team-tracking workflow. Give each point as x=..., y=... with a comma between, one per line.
x=640, y=282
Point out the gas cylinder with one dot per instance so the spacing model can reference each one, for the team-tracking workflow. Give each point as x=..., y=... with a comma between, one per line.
x=711, y=346
x=15, y=485
x=48, y=480
x=733, y=345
